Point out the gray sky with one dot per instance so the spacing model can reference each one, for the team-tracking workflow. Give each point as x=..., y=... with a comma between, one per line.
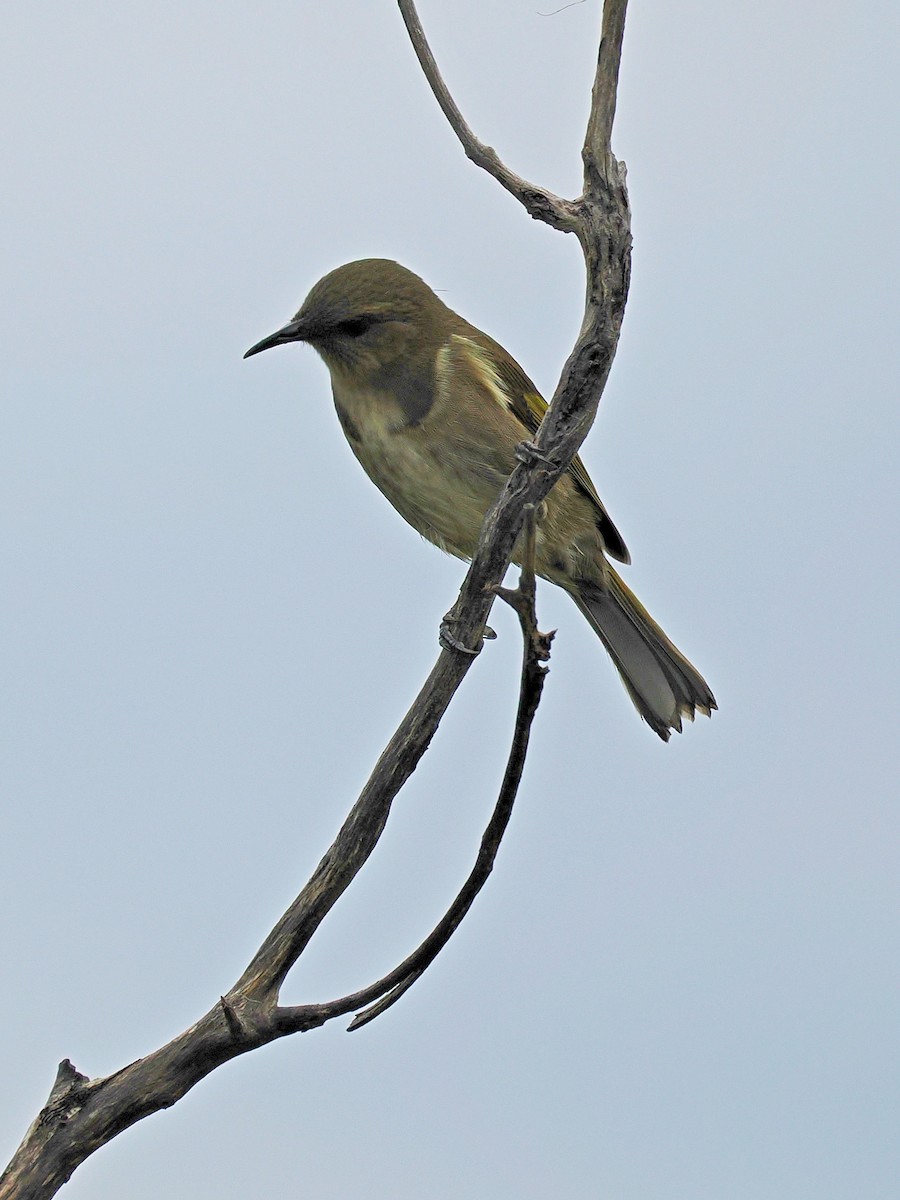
x=681, y=981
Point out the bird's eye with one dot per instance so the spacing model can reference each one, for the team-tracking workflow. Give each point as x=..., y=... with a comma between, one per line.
x=356, y=326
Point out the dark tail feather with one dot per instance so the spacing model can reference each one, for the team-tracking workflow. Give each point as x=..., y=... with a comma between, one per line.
x=662, y=683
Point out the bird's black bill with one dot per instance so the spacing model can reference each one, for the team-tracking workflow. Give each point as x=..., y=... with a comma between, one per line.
x=293, y=332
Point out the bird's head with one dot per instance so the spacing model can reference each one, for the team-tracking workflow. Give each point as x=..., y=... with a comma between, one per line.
x=367, y=318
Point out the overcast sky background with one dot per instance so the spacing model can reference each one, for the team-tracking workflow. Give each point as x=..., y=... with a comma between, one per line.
x=682, y=979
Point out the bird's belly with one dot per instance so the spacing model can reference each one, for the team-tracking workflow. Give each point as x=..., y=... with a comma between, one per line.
x=442, y=489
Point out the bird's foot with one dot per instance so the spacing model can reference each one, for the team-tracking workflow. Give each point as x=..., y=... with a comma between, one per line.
x=529, y=454
x=449, y=641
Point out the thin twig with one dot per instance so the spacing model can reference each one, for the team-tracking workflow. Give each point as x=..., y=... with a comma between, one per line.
x=555, y=11
x=603, y=94
x=389, y=989
x=540, y=203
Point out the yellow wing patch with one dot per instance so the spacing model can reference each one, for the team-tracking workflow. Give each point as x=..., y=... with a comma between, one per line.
x=507, y=384
x=485, y=369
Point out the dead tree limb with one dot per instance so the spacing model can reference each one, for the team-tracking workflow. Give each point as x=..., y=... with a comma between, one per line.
x=83, y=1114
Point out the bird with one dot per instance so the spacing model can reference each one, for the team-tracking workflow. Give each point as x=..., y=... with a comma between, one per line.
x=433, y=409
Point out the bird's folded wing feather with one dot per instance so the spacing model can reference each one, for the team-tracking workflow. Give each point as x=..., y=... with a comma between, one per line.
x=508, y=385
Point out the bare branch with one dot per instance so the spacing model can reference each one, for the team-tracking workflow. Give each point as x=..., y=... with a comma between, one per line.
x=603, y=94
x=536, y=651
x=540, y=203
x=83, y=1114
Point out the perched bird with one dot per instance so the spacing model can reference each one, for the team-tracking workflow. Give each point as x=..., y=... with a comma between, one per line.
x=433, y=409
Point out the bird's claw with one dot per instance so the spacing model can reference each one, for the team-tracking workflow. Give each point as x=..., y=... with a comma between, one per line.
x=449, y=641
x=529, y=454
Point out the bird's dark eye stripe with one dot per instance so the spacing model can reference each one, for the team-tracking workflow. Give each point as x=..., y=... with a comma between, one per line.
x=357, y=326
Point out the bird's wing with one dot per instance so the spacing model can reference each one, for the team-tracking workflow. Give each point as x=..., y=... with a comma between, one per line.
x=508, y=384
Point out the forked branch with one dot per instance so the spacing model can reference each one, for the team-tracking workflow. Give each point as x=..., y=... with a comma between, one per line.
x=83, y=1114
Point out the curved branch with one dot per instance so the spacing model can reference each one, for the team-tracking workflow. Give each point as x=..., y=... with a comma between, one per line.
x=540, y=203
x=386, y=991
x=83, y=1114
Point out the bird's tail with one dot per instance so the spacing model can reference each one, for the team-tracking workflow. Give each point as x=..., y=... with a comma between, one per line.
x=662, y=683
